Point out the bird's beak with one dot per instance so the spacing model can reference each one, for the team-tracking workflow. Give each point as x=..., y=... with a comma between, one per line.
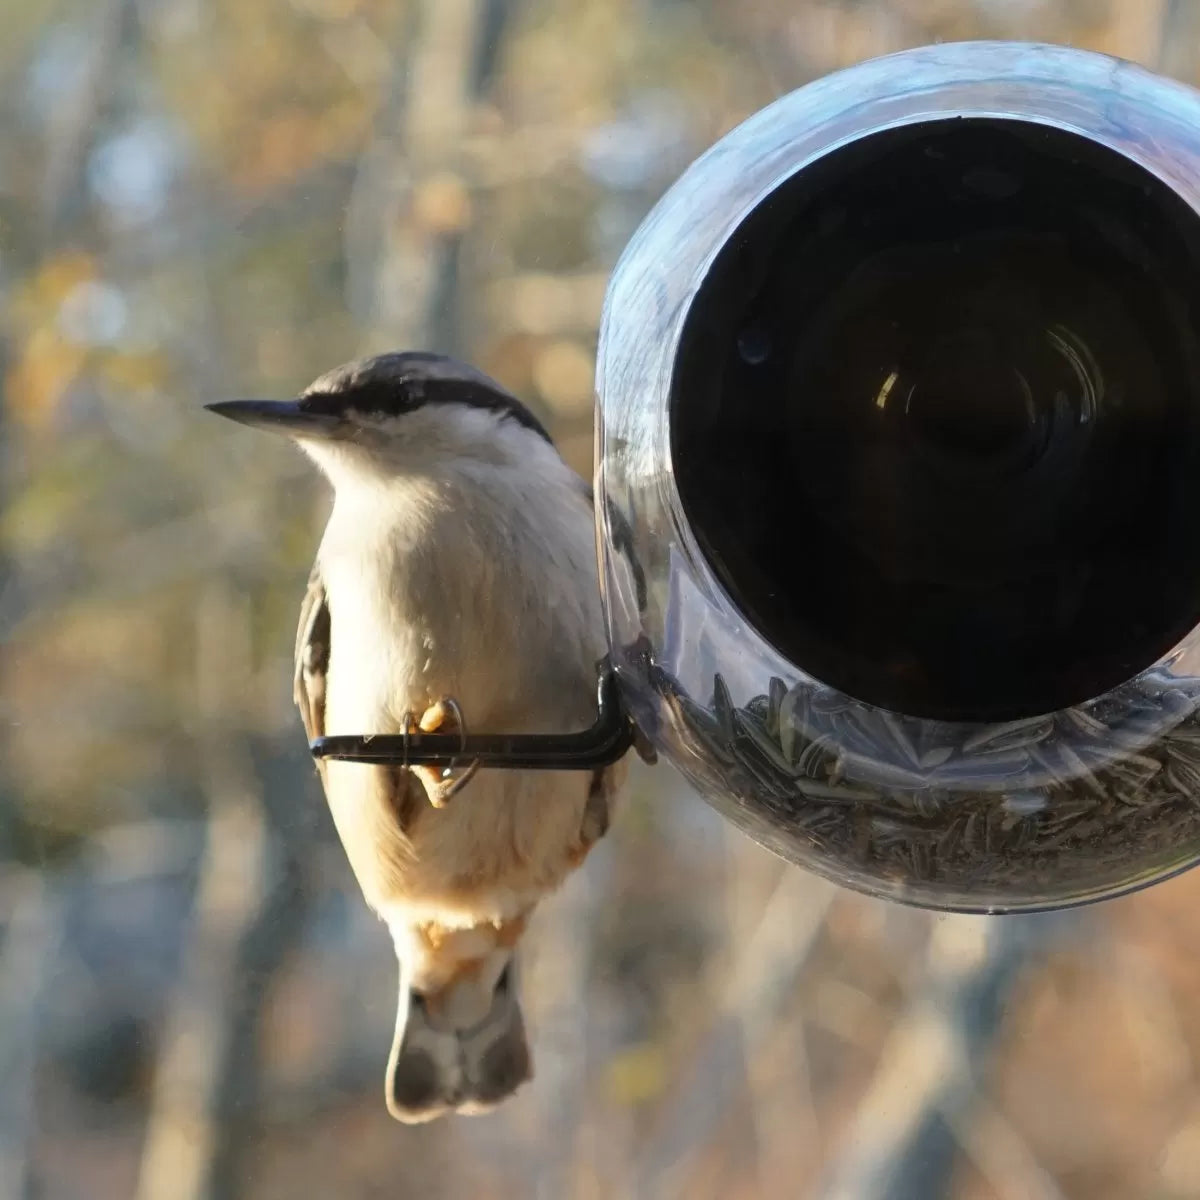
x=281, y=416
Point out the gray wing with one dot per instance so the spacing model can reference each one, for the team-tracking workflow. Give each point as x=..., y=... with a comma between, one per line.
x=312, y=660
x=312, y=666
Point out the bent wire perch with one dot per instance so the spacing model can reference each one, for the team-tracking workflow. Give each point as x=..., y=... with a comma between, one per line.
x=604, y=742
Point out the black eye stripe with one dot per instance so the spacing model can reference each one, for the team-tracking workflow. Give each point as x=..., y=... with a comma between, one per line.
x=388, y=398
x=393, y=385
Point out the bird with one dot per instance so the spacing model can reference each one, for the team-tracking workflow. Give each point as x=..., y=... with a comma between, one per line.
x=455, y=582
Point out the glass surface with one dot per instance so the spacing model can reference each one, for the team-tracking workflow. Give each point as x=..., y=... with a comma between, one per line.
x=907, y=427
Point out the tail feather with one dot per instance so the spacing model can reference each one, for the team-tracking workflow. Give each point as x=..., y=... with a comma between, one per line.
x=460, y=1051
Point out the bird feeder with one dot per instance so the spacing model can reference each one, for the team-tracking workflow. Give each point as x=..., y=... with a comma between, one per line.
x=900, y=418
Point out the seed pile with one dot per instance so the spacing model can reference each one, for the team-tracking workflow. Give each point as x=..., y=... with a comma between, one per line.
x=1085, y=798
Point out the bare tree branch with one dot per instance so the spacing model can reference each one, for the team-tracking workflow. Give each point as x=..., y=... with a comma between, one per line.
x=249, y=911
x=76, y=120
x=407, y=280
x=904, y=1140
x=34, y=932
x=762, y=981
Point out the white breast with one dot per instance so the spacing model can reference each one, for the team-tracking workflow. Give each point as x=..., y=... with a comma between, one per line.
x=481, y=587
x=486, y=591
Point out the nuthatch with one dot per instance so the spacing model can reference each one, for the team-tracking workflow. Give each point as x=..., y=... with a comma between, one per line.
x=456, y=581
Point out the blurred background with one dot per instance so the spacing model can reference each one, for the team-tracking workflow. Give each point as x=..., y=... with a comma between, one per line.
x=202, y=199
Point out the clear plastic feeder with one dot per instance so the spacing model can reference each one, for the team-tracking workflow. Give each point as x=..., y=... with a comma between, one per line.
x=899, y=424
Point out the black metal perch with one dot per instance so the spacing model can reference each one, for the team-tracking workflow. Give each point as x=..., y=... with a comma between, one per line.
x=602, y=743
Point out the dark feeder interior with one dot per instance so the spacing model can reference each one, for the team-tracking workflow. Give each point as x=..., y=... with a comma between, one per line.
x=935, y=419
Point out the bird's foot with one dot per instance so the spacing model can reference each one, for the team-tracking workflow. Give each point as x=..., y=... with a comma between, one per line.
x=441, y=788
x=445, y=716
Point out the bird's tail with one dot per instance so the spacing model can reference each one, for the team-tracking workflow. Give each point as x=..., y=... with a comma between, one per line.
x=462, y=1049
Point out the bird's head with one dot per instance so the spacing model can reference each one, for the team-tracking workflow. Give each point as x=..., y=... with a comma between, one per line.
x=395, y=412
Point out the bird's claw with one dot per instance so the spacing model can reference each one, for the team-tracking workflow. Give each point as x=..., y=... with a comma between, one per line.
x=441, y=790
x=444, y=716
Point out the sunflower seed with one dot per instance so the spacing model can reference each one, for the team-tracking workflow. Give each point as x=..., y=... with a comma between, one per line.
x=865, y=770
x=813, y=758
x=1135, y=733
x=1184, y=776
x=920, y=861
x=924, y=802
x=776, y=692
x=793, y=718
x=935, y=757
x=1075, y=765
x=813, y=790
x=722, y=703
x=825, y=701
x=760, y=707
x=1181, y=751
x=1179, y=704
x=899, y=736
x=982, y=768
x=1009, y=734
x=748, y=728
x=1080, y=794
x=705, y=728
x=1084, y=722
